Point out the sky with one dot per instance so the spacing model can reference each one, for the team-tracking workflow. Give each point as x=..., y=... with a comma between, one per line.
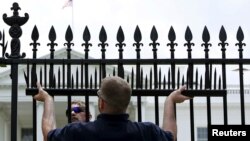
x=163, y=14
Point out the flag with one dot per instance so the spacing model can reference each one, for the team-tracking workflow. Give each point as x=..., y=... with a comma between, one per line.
x=68, y=3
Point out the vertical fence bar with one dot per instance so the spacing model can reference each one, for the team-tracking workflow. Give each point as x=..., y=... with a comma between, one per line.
x=52, y=44
x=69, y=38
x=223, y=38
x=172, y=37
x=188, y=38
x=120, y=44
x=103, y=39
x=154, y=37
x=240, y=37
x=206, y=38
x=34, y=36
x=14, y=99
x=15, y=32
x=137, y=38
x=86, y=38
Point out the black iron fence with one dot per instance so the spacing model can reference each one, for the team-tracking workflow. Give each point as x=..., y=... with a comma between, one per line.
x=63, y=81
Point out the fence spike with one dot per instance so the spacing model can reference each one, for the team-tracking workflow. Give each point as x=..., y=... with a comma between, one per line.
x=223, y=38
x=188, y=34
x=35, y=34
x=146, y=82
x=77, y=78
x=63, y=74
x=154, y=34
x=187, y=78
x=128, y=78
x=41, y=76
x=86, y=34
x=178, y=78
x=205, y=35
x=69, y=34
x=151, y=78
x=222, y=34
x=52, y=34
x=120, y=35
x=196, y=79
x=52, y=38
x=240, y=38
x=114, y=71
x=120, y=70
x=137, y=34
x=26, y=79
x=206, y=38
x=183, y=81
x=103, y=39
x=132, y=78
x=172, y=37
x=86, y=38
x=164, y=82
x=103, y=35
x=59, y=77
x=215, y=79
x=169, y=78
x=141, y=80
x=72, y=81
x=219, y=82
x=120, y=39
x=159, y=82
x=95, y=78
x=240, y=35
x=201, y=82
x=171, y=34
x=54, y=81
x=189, y=37
x=91, y=81
x=81, y=77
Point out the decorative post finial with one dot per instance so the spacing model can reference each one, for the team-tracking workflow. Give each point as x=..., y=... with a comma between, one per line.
x=15, y=22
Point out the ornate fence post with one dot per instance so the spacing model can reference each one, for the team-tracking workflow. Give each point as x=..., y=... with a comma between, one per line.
x=15, y=22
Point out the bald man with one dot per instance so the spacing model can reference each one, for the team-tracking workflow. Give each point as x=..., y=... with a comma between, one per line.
x=112, y=124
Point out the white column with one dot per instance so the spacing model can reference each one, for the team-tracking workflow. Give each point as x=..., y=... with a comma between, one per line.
x=5, y=122
x=39, y=109
x=92, y=110
x=7, y=130
x=143, y=109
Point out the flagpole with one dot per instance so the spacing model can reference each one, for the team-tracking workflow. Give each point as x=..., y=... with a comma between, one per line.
x=72, y=17
x=69, y=3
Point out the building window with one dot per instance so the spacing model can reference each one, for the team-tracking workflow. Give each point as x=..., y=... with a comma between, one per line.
x=27, y=134
x=201, y=134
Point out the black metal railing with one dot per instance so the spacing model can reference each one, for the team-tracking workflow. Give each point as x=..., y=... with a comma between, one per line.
x=60, y=79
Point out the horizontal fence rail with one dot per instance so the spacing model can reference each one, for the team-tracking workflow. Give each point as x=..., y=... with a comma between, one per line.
x=74, y=77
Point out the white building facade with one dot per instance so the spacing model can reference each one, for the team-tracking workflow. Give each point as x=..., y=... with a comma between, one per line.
x=25, y=121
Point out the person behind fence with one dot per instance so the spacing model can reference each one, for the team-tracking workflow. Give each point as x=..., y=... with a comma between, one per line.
x=112, y=124
x=78, y=111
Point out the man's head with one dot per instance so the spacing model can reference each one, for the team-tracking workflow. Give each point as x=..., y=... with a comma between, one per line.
x=114, y=95
x=78, y=111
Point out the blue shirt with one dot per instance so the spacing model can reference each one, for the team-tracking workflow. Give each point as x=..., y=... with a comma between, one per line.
x=110, y=128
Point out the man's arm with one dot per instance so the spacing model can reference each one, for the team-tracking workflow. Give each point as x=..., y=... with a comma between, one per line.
x=48, y=119
x=169, y=121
